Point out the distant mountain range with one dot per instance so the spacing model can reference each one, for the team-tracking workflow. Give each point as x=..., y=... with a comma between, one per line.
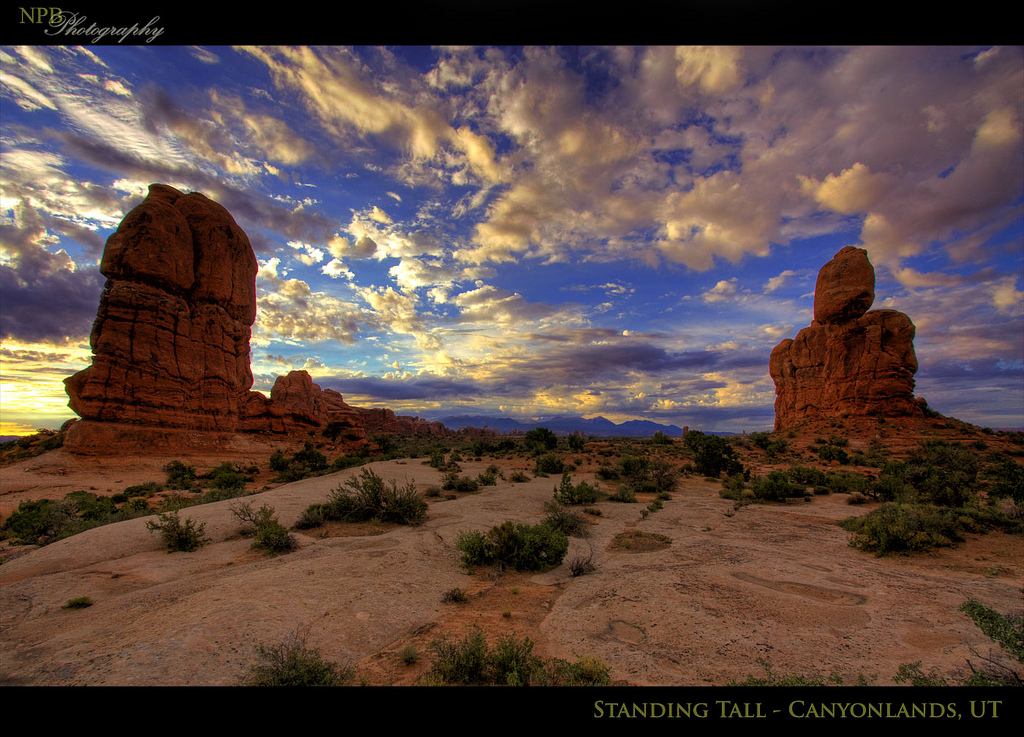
x=597, y=426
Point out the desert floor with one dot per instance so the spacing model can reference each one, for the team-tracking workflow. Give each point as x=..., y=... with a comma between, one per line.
x=732, y=591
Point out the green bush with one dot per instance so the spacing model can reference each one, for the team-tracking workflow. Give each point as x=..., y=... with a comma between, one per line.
x=81, y=602
x=712, y=455
x=576, y=494
x=464, y=661
x=571, y=522
x=517, y=546
x=1006, y=480
x=576, y=441
x=541, y=438
x=178, y=536
x=1007, y=632
x=41, y=522
x=623, y=494
x=294, y=663
x=510, y=662
x=147, y=489
x=368, y=497
x=227, y=477
x=777, y=487
x=268, y=533
x=464, y=484
x=180, y=476
x=549, y=463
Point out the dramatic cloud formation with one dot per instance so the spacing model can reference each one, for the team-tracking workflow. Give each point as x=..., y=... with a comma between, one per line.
x=622, y=231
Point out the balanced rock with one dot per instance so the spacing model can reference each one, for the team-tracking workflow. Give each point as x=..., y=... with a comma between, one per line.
x=845, y=288
x=851, y=361
x=171, y=338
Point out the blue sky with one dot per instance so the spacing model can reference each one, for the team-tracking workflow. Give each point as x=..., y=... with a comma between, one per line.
x=616, y=231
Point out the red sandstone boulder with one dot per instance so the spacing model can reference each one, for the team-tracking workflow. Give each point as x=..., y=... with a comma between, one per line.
x=840, y=365
x=845, y=288
x=171, y=338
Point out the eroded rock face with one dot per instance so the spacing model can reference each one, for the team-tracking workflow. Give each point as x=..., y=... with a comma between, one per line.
x=171, y=343
x=171, y=338
x=850, y=361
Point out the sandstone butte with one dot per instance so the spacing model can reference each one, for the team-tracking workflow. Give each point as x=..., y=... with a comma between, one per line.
x=851, y=361
x=171, y=342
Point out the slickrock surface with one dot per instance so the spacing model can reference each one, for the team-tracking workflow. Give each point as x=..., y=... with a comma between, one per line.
x=850, y=362
x=776, y=582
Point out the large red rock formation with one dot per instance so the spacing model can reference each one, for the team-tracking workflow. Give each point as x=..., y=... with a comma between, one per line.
x=171, y=342
x=850, y=361
x=171, y=339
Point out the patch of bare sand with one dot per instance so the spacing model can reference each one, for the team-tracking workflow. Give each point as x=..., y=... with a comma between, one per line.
x=767, y=581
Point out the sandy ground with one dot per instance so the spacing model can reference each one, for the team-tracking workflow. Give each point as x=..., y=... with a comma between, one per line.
x=777, y=583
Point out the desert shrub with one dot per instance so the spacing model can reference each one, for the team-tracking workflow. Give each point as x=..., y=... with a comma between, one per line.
x=518, y=546
x=841, y=483
x=307, y=462
x=634, y=469
x=510, y=662
x=777, y=487
x=464, y=484
x=575, y=494
x=147, y=489
x=410, y=655
x=294, y=663
x=549, y=463
x=576, y=441
x=607, y=473
x=660, y=438
x=624, y=493
x=436, y=459
x=227, y=477
x=311, y=517
x=40, y=522
x=463, y=661
x=581, y=564
x=1006, y=479
x=712, y=455
x=490, y=476
x=569, y=521
x=540, y=439
x=587, y=671
x=368, y=497
x=454, y=596
x=268, y=533
x=80, y=602
x=180, y=476
x=518, y=477
x=897, y=527
x=733, y=487
x=178, y=536
x=663, y=476
x=90, y=507
x=829, y=453
x=1007, y=632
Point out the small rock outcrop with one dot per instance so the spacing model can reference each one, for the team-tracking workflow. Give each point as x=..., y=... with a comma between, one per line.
x=171, y=338
x=851, y=361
